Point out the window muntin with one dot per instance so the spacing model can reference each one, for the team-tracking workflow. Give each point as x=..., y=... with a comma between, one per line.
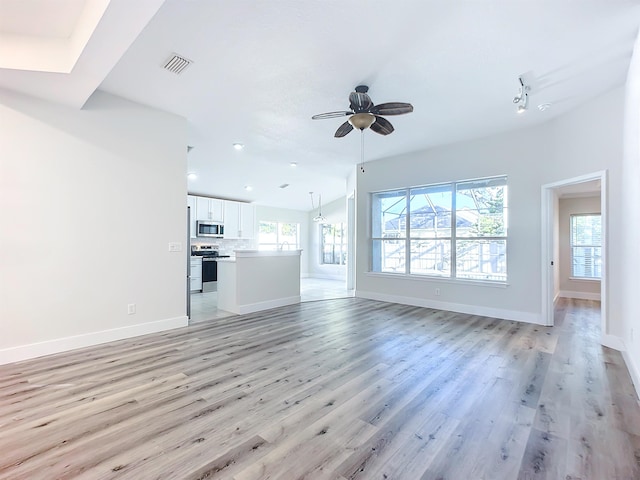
x=456, y=230
x=586, y=246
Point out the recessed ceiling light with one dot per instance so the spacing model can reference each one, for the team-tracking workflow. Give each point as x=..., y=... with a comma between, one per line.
x=191, y=176
x=238, y=146
x=248, y=188
x=294, y=164
x=544, y=106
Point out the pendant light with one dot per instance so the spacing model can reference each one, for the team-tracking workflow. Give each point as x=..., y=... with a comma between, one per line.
x=318, y=218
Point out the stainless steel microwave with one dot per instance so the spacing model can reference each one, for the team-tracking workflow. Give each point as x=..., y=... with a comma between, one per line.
x=209, y=229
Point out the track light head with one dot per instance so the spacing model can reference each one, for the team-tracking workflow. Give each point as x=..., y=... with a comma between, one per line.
x=522, y=98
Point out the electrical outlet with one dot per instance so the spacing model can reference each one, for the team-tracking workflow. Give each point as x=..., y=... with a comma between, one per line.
x=131, y=309
x=175, y=246
x=437, y=292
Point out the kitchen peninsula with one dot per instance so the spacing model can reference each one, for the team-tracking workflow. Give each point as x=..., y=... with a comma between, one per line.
x=256, y=280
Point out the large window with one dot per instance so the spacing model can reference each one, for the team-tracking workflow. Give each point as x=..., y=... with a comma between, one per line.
x=334, y=244
x=278, y=236
x=586, y=248
x=456, y=230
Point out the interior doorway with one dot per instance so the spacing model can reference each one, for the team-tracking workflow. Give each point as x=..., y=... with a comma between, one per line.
x=552, y=194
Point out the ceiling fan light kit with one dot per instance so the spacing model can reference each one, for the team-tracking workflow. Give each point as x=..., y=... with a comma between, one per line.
x=362, y=120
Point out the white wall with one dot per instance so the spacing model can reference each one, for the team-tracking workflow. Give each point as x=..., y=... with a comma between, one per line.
x=335, y=212
x=572, y=288
x=79, y=192
x=272, y=214
x=628, y=320
x=587, y=140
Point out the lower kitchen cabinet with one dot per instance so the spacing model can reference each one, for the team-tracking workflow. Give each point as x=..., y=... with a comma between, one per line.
x=196, y=274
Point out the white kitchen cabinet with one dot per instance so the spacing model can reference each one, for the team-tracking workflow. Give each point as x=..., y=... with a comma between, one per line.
x=191, y=202
x=209, y=209
x=196, y=274
x=239, y=220
x=247, y=220
x=232, y=219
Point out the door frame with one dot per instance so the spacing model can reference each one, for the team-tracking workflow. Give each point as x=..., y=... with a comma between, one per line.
x=549, y=215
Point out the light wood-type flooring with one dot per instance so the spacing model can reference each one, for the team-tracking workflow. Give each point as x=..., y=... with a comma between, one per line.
x=332, y=389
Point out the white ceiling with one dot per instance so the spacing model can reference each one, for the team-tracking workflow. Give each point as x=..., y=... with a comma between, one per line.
x=262, y=69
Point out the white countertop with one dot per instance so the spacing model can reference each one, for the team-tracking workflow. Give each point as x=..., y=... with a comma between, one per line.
x=267, y=253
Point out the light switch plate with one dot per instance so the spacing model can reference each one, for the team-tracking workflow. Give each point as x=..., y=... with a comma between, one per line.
x=175, y=246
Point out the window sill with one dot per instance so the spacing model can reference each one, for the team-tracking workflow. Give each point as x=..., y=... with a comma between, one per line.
x=421, y=278
x=584, y=279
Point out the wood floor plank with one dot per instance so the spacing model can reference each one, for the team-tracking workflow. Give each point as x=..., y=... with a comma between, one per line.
x=334, y=389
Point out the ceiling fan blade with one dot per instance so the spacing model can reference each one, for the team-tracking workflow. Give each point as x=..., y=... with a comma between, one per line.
x=392, y=108
x=341, y=113
x=360, y=102
x=345, y=128
x=382, y=126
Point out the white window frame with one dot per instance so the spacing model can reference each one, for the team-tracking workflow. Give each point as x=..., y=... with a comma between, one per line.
x=573, y=246
x=343, y=245
x=404, y=234
x=279, y=244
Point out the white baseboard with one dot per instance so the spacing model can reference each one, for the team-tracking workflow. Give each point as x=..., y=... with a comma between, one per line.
x=259, y=306
x=617, y=343
x=327, y=276
x=611, y=341
x=58, y=345
x=579, y=295
x=515, y=315
x=634, y=371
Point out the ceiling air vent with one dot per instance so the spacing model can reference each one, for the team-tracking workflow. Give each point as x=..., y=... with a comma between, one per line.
x=176, y=63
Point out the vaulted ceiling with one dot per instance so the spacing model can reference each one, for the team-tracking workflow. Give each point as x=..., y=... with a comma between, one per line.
x=260, y=70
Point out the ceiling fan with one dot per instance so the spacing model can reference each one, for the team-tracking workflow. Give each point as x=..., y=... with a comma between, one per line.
x=364, y=114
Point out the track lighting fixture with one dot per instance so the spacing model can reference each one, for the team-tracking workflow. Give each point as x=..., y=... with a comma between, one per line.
x=522, y=98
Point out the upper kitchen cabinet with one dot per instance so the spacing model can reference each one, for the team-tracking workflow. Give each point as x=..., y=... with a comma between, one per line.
x=209, y=209
x=247, y=220
x=239, y=220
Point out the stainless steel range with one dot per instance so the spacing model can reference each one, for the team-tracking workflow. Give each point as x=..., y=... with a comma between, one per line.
x=209, y=254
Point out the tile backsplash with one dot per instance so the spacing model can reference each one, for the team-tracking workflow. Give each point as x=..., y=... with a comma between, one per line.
x=226, y=246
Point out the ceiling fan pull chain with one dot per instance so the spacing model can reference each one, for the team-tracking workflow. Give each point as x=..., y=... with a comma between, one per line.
x=362, y=150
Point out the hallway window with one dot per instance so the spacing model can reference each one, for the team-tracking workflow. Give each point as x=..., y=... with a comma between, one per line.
x=586, y=248
x=451, y=230
x=334, y=244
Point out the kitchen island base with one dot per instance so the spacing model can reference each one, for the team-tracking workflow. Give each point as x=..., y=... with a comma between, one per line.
x=258, y=280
